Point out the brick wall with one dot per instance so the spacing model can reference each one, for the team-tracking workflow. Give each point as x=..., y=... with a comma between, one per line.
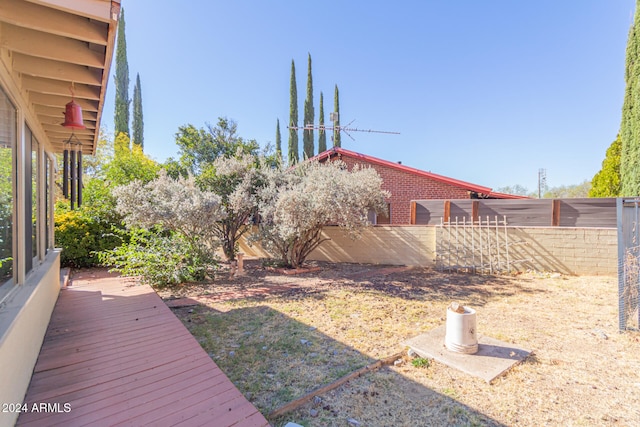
x=405, y=186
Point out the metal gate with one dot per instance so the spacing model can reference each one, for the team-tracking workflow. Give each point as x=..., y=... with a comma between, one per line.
x=480, y=246
x=628, y=262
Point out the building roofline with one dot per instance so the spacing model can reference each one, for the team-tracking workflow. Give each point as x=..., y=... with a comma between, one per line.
x=370, y=159
x=498, y=195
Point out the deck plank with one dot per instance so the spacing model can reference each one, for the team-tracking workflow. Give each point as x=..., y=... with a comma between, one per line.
x=117, y=355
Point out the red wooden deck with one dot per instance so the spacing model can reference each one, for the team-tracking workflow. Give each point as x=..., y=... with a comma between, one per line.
x=114, y=354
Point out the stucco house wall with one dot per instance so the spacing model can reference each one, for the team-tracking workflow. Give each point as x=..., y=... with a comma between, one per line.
x=47, y=46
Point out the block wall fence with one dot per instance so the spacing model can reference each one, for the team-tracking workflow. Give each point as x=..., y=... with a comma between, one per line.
x=566, y=250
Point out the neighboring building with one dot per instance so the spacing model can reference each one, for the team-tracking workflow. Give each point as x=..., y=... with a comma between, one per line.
x=47, y=49
x=406, y=184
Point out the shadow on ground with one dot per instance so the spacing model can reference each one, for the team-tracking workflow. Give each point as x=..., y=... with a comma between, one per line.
x=274, y=359
x=413, y=284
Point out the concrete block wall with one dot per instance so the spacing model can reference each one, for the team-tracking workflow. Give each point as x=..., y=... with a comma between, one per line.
x=566, y=250
x=576, y=251
x=254, y=250
x=395, y=245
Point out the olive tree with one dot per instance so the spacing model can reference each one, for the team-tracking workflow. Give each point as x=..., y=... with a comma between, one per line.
x=173, y=204
x=296, y=204
x=236, y=180
x=170, y=239
x=227, y=165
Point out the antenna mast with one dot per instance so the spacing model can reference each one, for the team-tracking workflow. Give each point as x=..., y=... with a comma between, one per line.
x=542, y=181
x=336, y=129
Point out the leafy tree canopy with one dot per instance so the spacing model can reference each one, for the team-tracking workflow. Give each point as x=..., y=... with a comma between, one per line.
x=517, y=190
x=115, y=163
x=560, y=192
x=224, y=163
x=199, y=148
x=176, y=205
x=237, y=181
x=569, y=191
x=91, y=228
x=129, y=163
x=606, y=183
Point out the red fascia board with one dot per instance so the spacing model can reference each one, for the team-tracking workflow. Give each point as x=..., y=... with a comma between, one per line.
x=370, y=159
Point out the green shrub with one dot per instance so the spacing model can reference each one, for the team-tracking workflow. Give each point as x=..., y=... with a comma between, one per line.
x=160, y=258
x=97, y=226
x=80, y=236
x=421, y=362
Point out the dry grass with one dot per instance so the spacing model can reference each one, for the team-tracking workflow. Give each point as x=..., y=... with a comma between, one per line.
x=278, y=347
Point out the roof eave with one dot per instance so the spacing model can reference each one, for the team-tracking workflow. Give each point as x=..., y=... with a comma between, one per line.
x=370, y=159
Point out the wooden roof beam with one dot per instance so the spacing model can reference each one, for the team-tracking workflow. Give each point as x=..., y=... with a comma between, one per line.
x=101, y=10
x=52, y=123
x=57, y=70
x=57, y=87
x=49, y=46
x=36, y=17
x=58, y=113
x=61, y=132
x=56, y=100
x=60, y=137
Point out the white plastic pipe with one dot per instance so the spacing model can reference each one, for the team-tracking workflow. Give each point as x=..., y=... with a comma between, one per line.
x=461, y=336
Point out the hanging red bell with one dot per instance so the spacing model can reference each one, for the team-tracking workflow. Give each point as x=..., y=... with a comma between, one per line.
x=73, y=116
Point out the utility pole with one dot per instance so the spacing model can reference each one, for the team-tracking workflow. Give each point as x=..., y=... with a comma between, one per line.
x=542, y=181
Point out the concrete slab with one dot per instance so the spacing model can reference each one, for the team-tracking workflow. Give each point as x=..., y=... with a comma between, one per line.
x=493, y=358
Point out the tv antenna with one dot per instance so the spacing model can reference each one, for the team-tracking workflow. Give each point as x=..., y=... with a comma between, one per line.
x=333, y=117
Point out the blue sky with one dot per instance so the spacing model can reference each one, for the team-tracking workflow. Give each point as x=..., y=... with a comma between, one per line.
x=487, y=92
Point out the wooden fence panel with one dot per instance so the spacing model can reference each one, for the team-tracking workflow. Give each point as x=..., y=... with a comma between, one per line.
x=461, y=209
x=520, y=212
x=588, y=213
x=429, y=212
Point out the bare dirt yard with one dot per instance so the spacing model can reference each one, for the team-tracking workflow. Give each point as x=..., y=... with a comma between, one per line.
x=279, y=337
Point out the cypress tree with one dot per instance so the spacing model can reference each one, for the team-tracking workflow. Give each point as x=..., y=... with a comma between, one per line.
x=293, y=117
x=322, y=135
x=138, y=122
x=307, y=134
x=121, y=119
x=278, y=141
x=336, y=123
x=630, y=125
